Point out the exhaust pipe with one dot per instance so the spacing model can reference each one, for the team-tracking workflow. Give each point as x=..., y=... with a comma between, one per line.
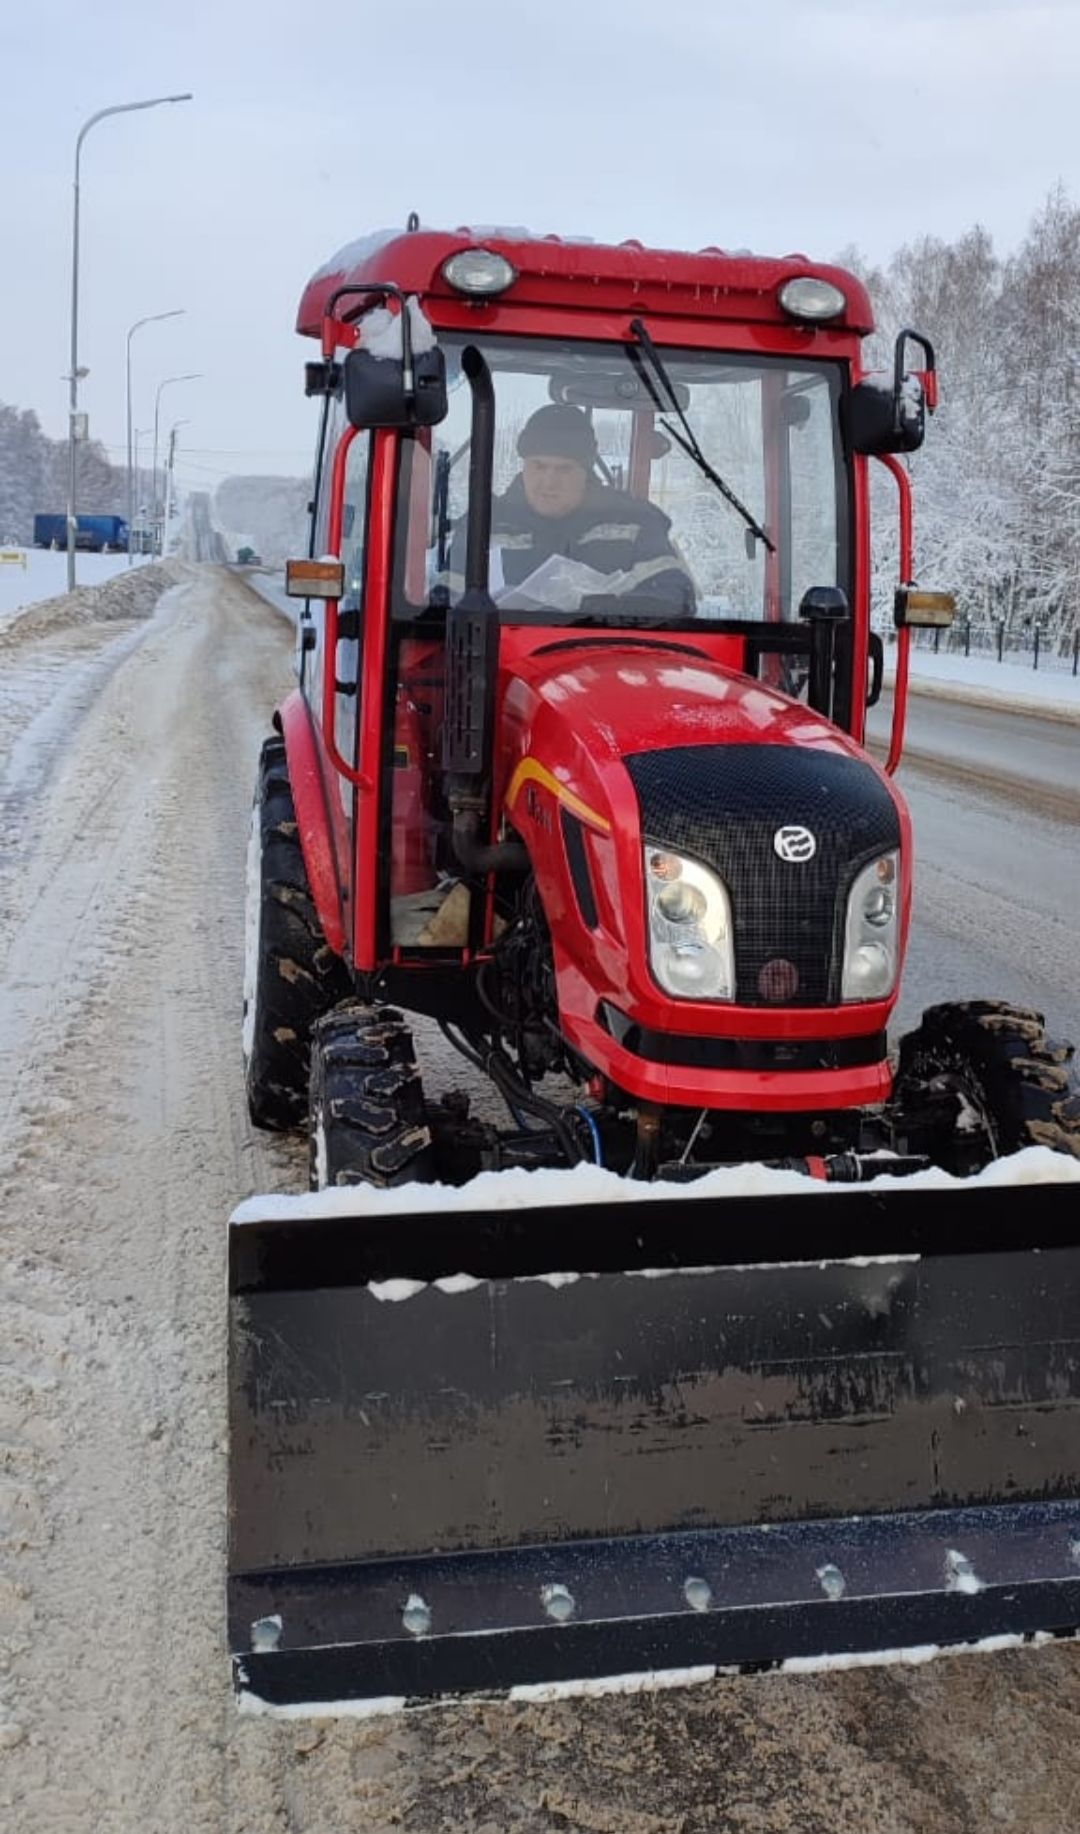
x=472, y=653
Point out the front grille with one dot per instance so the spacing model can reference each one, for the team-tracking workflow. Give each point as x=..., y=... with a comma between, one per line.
x=723, y=804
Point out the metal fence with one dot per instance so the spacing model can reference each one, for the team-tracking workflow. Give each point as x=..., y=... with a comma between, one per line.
x=1027, y=644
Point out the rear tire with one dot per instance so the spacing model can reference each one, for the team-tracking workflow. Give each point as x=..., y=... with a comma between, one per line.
x=995, y=1080
x=368, y=1120
x=291, y=973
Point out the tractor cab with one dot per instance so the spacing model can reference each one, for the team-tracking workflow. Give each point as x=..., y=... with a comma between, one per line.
x=707, y=426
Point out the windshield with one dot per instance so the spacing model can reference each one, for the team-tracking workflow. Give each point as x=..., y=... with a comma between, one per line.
x=601, y=510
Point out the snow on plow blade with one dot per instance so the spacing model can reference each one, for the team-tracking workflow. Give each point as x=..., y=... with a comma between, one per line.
x=454, y=1472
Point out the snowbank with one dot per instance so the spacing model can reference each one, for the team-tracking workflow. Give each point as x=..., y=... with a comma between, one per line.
x=982, y=681
x=41, y=573
x=130, y=593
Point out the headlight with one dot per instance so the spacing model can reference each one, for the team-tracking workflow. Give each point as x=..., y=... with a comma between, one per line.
x=871, y=934
x=690, y=942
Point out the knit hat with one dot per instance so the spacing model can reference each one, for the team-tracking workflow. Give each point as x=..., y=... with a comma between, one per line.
x=558, y=431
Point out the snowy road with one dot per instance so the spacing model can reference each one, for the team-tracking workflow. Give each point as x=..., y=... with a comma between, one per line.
x=1039, y=759
x=123, y=1146
x=997, y=903
x=995, y=799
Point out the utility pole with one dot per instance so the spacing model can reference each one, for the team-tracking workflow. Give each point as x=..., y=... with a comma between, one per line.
x=170, y=465
x=140, y=507
x=168, y=494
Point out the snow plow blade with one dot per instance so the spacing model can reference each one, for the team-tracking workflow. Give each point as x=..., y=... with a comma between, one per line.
x=454, y=1472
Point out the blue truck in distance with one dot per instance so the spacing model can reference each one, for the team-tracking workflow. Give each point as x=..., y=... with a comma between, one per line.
x=93, y=534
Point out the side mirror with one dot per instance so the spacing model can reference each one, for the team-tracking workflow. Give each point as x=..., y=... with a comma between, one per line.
x=914, y=609
x=795, y=410
x=389, y=384
x=890, y=416
x=322, y=378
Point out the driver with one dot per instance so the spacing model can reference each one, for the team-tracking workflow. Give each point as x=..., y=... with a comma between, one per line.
x=558, y=506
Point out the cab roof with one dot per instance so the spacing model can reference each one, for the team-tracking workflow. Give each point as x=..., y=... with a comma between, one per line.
x=589, y=276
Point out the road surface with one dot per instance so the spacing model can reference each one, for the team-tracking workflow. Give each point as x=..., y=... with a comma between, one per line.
x=127, y=756
x=995, y=800
x=205, y=541
x=1038, y=758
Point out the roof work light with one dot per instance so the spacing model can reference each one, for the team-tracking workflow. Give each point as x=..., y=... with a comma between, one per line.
x=809, y=297
x=479, y=271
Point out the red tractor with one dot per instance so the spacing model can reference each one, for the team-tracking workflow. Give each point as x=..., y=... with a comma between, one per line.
x=575, y=770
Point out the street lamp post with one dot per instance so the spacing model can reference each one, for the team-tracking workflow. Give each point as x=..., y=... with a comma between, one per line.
x=154, y=318
x=121, y=108
x=169, y=380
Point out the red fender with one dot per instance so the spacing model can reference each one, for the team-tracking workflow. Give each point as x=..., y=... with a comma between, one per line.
x=309, y=799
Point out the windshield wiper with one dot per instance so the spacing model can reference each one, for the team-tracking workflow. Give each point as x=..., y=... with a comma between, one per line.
x=687, y=439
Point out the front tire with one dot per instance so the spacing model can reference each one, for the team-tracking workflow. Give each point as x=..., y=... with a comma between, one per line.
x=980, y=1079
x=291, y=975
x=368, y=1121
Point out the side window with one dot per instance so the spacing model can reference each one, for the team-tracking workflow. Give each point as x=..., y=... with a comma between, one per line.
x=353, y=526
x=335, y=427
x=812, y=465
x=354, y=512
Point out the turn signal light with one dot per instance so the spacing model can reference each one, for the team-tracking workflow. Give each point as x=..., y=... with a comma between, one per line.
x=917, y=610
x=314, y=579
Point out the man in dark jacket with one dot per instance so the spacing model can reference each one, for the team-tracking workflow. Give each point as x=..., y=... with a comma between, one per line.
x=558, y=506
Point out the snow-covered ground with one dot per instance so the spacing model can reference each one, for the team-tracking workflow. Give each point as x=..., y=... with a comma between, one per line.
x=39, y=573
x=984, y=680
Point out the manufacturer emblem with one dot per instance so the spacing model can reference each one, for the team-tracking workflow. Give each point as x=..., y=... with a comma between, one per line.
x=795, y=845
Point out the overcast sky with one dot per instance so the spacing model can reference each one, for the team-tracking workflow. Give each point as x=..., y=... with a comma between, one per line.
x=780, y=125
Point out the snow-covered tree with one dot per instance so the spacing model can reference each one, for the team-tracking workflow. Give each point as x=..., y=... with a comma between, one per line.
x=34, y=476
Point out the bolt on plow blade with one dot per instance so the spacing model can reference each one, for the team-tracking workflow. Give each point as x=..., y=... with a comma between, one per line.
x=478, y=1450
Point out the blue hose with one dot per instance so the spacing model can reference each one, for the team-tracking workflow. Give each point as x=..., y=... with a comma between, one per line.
x=598, y=1151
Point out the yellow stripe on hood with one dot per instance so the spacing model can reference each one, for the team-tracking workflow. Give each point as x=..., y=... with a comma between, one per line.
x=530, y=770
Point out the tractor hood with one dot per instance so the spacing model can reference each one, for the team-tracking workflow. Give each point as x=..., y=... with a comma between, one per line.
x=610, y=745
x=582, y=706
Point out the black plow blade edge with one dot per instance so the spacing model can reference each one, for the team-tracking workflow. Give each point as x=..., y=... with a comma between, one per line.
x=453, y=1471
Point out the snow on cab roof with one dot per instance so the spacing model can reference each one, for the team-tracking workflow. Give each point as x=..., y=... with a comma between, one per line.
x=560, y=271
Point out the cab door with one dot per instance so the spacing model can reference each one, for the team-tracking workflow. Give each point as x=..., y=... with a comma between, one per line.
x=338, y=530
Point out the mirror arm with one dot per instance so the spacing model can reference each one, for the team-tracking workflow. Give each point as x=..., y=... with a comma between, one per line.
x=903, y=638
x=384, y=289
x=929, y=374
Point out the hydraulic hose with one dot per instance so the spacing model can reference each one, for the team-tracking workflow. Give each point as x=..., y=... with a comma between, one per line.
x=481, y=857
